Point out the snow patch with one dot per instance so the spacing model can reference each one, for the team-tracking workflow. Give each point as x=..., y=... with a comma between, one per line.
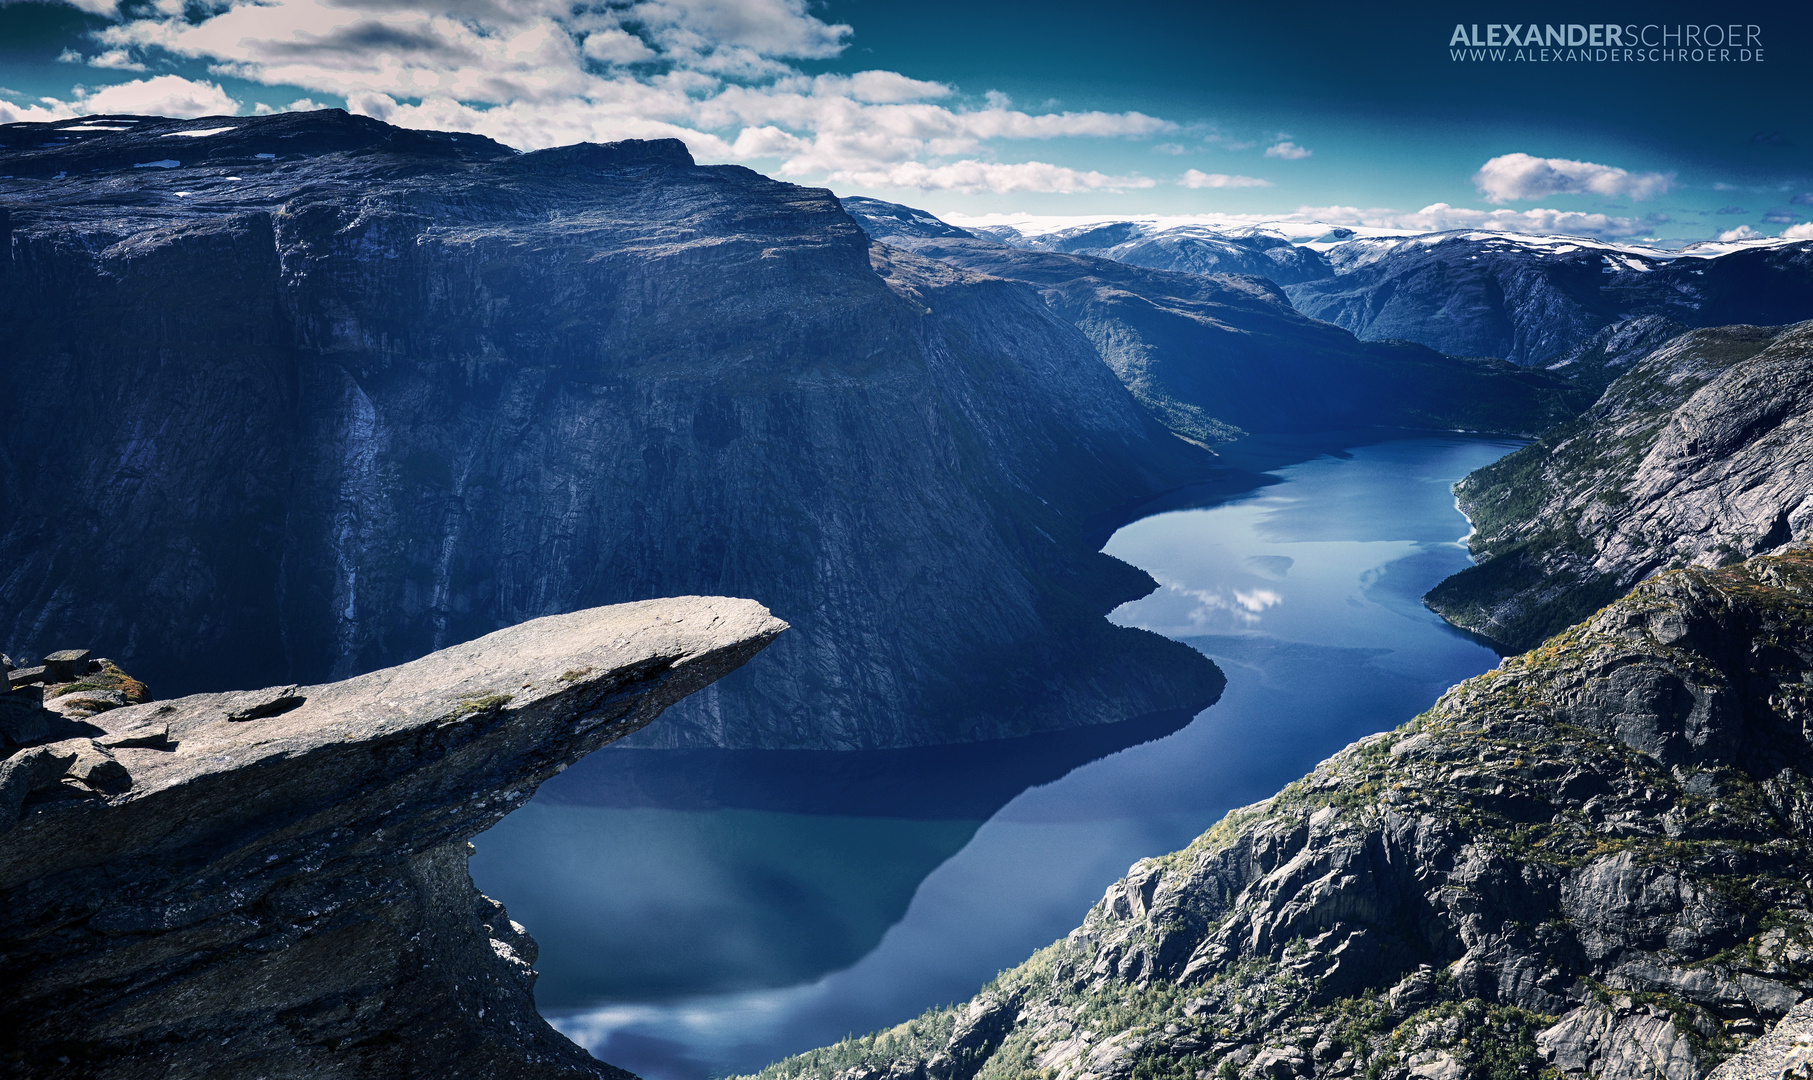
x=197, y=132
x=167, y=163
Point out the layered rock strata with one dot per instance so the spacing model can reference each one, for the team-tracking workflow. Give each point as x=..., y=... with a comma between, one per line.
x=273, y=883
x=1701, y=453
x=1592, y=860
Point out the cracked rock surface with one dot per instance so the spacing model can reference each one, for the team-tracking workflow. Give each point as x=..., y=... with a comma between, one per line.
x=1594, y=859
x=1701, y=454
x=273, y=883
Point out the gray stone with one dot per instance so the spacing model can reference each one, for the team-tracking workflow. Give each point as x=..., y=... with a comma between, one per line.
x=288, y=897
x=83, y=703
x=1785, y=1053
x=1701, y=454
x=66, y=665
x=1471, y=906
x=22, y=719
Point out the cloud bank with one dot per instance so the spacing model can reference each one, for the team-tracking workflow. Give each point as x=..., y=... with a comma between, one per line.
x=720, y=75
x=1195, y=178
x=1440, y=217
x=161, y=95
x=1515, y=177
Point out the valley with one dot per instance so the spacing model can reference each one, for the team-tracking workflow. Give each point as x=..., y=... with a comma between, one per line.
x=407, y=470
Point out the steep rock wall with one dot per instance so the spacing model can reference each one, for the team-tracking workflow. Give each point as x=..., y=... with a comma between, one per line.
x=296, y=416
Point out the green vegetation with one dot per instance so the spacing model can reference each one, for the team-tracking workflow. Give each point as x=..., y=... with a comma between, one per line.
x=1189, y=421
x=472, y=706
x=1535, y=573
x=1501, y=761
x=110, y=677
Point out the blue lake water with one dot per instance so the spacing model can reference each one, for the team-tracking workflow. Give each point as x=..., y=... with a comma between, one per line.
x=705, y=912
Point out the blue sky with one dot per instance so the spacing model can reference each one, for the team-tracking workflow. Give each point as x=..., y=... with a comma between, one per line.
x=970, y=107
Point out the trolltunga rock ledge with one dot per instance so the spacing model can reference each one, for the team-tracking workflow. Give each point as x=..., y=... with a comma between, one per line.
x=273, y=883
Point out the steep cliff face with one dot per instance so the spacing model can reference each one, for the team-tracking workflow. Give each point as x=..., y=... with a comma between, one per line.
x=323, y=395
x=1217, y=355
x=273, y=883
x=1593, y=859
x=1597, y=362
x=1531, y=300
x=1701, y=453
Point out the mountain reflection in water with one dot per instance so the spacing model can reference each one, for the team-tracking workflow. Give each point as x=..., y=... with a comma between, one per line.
x=704, y=912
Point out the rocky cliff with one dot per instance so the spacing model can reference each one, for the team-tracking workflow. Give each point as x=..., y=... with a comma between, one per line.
x=1532, y=300
x=1592, y=860
x=273, y=883
x=1217, y=355
x=1701, y=453
x=295, y=397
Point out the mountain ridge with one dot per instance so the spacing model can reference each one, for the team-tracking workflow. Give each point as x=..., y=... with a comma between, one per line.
x=1697, y=454
x=343, y=393
x=1217, y=356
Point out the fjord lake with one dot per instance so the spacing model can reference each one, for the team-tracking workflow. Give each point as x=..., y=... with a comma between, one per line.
x=704, y=912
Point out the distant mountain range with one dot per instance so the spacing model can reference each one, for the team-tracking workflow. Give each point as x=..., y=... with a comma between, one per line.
x=1218, y=355
x=1524, y=298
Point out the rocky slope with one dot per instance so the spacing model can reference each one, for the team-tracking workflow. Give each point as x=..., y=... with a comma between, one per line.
x=1597, y=362
x=1531, y=300
x=273, y=883
x=1592, y=860
x=1217, y=355
x=1701, y=453
x=300, y=396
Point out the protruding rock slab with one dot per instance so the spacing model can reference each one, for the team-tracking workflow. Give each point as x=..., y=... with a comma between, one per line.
x=278, y=887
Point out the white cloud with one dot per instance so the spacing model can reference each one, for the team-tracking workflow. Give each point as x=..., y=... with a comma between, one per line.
x=1440, y=217
x=767, y=28
x=118, y=59
x=1289, y=151
x=1742, y=232
x=160, y=95
x=1174, y=149
x=614, y=46
x=299, y=105
x=973, y=177
x=35, y=114
x=1803, y=231
x=717, y=74
x=1195, y=178
x=1512, y=177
